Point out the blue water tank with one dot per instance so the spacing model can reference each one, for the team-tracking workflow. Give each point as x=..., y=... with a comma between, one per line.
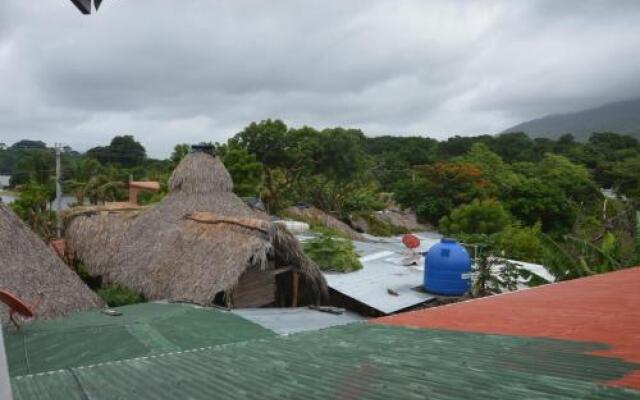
x=447, y=269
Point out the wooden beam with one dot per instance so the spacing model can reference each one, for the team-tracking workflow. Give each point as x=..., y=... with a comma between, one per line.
x=295, y=280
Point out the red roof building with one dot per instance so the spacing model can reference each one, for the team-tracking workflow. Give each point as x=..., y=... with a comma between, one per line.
x=602, y=309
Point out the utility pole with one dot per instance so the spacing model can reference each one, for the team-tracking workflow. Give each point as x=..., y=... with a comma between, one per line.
x=58, y=190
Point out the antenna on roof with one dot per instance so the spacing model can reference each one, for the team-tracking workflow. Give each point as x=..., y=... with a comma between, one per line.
x=85, y=5
x=204, y=148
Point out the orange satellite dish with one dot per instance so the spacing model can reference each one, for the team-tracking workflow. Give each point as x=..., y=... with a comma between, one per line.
x=411, y=241
x=16, y=305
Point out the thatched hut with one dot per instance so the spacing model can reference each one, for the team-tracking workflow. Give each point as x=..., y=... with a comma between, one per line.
x=29, y=268
x=201, y=243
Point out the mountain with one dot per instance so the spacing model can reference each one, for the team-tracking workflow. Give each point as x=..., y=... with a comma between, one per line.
x=619, y=117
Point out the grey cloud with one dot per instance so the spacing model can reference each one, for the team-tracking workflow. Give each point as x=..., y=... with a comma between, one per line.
x=170, y=72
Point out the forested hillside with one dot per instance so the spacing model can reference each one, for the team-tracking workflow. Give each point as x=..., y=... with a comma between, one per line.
x=621, y=117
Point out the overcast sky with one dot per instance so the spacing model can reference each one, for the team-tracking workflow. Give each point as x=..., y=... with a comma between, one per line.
x=169, y=71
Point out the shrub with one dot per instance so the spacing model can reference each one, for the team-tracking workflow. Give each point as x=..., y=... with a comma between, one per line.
x=332, y=254
x=116, y=295
x=518, y=243
x=477, y=217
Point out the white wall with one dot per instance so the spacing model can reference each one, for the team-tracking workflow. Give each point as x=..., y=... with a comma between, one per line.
x=5, y=384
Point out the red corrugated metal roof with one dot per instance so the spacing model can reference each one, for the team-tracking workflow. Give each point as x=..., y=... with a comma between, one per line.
x=603, y=308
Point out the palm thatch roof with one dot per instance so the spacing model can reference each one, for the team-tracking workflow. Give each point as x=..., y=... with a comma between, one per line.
x=28, y=267
x=198, y=241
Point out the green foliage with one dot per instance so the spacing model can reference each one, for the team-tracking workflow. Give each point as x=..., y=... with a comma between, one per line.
x=245, y=170
x=363, y=198
x=436, y=189
x=533, y=200
x=549, y=187
x=116, y=296
x=332, y=254
x=180, y=151
x=519, y=243
x=35, y=166
x=493, y=275
x=478, y=217
x=571, y=257
x=572, y=179
x=32, y=207
x=124, y=151
x=319, y=167
x=394, y=157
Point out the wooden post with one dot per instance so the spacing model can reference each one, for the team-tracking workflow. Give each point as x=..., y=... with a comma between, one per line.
x=294, y=288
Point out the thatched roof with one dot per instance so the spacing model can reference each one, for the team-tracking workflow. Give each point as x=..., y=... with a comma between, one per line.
x=164, y=252
x=29, y=267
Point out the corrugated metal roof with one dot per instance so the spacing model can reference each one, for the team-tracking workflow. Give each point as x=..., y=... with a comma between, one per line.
x=383, y=270
x=143, y=329
x=602, y=309
x=358, y=361
x=292, y=320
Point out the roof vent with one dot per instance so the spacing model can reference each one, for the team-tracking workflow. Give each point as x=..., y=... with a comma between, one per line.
x=204, y=148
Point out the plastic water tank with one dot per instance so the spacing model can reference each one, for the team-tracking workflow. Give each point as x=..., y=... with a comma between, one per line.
x=447, y=269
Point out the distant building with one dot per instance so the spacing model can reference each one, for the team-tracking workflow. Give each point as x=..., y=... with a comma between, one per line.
x=4, y=181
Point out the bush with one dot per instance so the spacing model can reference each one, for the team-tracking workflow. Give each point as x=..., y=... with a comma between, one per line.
x=478, y=217
x=332, y=254
x=116, y=295
x=518, y=243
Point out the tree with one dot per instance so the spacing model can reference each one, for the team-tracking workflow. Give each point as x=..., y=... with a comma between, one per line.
x=573, y=179
x=436, y=189
x=519, y=243
x=282, y=159
x=35, y=166
x=123, y=150
x=609, y=146
x=533, y=200
x=570, y=257
x=478, y=217
x=494, y=275
x=180, y=151
x=515, y=146
x=494, y=169
x=458, y=145
x=31, y=207
x=27, y=144
x=244, y=169
x=624, y=176
x=393, y=158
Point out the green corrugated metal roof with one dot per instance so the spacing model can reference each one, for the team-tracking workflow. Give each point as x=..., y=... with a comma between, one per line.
x=360, y=361
x=143, y=329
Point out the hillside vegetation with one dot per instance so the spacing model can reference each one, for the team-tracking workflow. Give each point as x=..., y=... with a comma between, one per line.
x=530, y=199
x=621, y=117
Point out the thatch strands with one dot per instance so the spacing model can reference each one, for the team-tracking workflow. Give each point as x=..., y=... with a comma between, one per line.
x=195, y=243
x=251, y=223
x=101, y=228
x=28, y=267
